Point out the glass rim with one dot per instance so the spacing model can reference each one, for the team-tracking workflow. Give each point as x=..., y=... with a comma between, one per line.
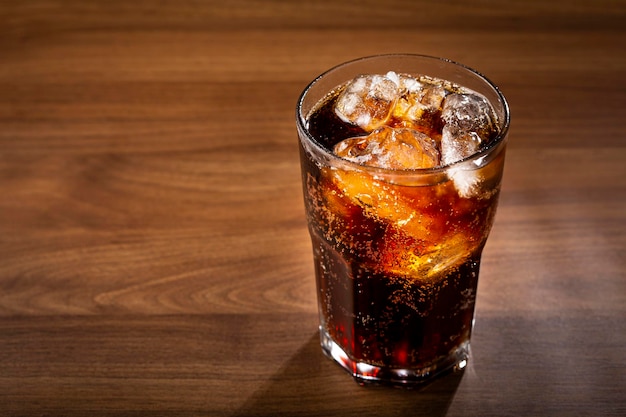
x=495, y=143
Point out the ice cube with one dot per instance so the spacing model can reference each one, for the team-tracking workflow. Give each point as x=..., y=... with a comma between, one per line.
x=367, y=101
x=455, y=146
x=381, y=200
x=466, y=177
x=417, y=99
x=458, y=144
x=391, y=148
x=466, y=181
x=423, y=256
x=469, y=112
x=469, y=121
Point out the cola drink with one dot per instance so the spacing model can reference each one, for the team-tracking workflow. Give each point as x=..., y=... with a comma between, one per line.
x=401, y=172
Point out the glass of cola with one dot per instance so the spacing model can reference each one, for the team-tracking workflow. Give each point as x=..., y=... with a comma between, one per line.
x=402, y=159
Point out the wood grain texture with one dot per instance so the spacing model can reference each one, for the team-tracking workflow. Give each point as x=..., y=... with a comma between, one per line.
x=154, y=257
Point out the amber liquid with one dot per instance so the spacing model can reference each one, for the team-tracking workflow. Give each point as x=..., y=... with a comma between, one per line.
x=379, y=298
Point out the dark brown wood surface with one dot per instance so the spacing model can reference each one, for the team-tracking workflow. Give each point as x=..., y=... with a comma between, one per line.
x=154, y=257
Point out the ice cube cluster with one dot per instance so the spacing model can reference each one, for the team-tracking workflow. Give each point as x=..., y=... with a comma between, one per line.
x=368, y=100
x=392, y=107
x=391, y=148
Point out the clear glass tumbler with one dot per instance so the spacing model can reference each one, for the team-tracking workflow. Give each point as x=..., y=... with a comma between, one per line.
x=397, y=251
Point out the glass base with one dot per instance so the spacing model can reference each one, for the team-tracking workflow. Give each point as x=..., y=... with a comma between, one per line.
x=364, y=373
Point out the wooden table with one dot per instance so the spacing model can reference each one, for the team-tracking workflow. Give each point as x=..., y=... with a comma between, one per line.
x=154, y=256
